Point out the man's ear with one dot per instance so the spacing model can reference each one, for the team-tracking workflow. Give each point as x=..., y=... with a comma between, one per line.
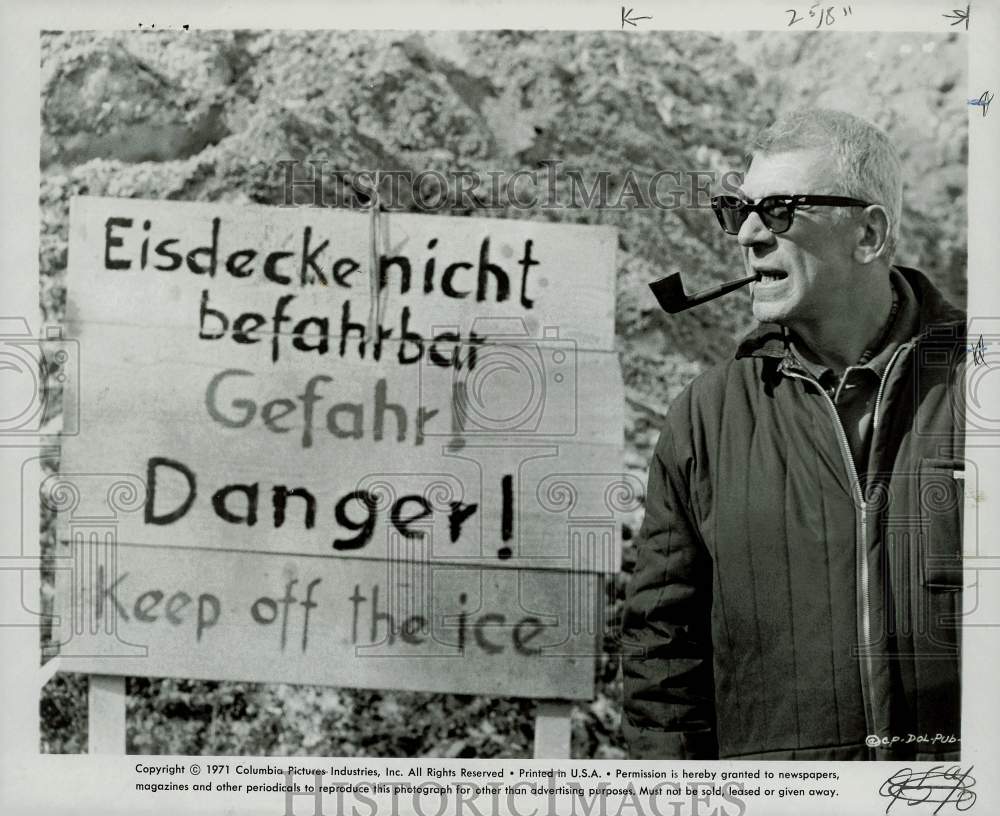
x=874, y=234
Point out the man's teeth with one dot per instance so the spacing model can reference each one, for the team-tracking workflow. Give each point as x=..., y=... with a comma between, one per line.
x=766, y=276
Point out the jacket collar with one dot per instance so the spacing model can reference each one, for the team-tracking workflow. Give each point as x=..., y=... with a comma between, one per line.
x=769, y=339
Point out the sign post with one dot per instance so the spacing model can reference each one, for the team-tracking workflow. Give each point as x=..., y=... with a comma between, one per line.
x=106, y=714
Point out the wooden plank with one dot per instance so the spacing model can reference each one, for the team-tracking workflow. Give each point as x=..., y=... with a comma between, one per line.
x=408, y=624
x=161, y=399
x=106, y=714
x=534, y=391
x=573, y=265
x=553, y=729
x=460, y=507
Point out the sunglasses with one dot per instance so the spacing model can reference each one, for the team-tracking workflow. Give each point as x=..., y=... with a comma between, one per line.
x=776, y=212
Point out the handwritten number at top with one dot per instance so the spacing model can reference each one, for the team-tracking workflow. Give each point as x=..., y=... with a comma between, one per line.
x=825, y=16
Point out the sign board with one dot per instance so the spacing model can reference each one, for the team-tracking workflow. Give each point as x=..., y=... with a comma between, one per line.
x=302, y=458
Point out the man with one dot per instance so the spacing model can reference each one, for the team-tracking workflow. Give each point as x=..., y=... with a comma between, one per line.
x=798, y=581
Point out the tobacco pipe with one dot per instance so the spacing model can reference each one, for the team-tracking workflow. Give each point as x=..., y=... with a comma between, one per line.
x=669, y=292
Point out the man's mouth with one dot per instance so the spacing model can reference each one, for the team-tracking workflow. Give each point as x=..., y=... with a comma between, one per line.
x=768, y=276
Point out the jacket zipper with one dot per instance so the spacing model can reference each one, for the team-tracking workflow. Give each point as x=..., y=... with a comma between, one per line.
x=862, y=547
x=881, y=388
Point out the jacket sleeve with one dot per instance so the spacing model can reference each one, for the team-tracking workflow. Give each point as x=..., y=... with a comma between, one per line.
x=669, y=705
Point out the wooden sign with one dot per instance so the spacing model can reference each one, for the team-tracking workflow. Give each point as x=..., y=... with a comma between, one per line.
x=340, y=465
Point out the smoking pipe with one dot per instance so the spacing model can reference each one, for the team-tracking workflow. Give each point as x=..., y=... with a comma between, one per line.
x=669, y=292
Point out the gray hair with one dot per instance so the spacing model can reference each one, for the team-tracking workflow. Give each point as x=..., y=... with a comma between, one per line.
x=867, y=165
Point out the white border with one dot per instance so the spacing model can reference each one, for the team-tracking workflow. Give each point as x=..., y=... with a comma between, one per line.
x=39, y=784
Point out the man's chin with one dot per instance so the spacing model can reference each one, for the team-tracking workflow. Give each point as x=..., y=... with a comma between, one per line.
x=769, y=312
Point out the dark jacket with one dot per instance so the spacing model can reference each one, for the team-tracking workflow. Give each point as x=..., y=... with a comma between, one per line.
x=775, y=612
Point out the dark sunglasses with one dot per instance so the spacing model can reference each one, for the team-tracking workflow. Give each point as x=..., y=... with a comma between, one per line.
x=775, y=211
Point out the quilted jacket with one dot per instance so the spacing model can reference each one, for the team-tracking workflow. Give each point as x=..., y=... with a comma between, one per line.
x=780, y=607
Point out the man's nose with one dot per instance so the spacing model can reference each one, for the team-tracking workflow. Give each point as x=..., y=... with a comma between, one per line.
x=753, y=232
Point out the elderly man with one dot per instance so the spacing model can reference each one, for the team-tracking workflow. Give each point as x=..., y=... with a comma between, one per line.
x=798, y=580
